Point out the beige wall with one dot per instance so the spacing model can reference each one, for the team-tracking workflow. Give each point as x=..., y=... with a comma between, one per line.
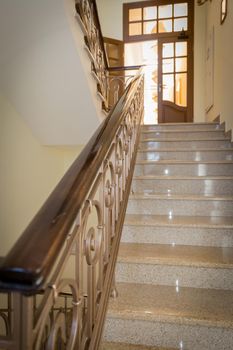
x=223, y=63
x=112, y=26
x=29, y=172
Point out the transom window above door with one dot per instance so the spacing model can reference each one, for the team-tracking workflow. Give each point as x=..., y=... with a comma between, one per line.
x=154, y=17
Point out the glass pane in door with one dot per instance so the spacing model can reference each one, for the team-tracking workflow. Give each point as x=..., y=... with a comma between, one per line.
x=146, y=53
x=174, y=73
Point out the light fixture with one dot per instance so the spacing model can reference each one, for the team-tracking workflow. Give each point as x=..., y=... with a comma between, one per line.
x=201, y=2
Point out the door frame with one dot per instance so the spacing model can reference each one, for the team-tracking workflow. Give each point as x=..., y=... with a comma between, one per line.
x=163, y=37
x=190, y=80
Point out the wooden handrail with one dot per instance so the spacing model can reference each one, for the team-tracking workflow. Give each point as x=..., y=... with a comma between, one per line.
x=123, y=68
x=29, y=262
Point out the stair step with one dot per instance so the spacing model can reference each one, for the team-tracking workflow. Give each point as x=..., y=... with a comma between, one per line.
x=184, y=318
x=182, y=230
x=174, y=265
x=193, y=144
x=187, y=154
x=183, y=184
x=184, y=134
x=176, y=204
x=186, y=168
x=125, y=346
x=183, y=126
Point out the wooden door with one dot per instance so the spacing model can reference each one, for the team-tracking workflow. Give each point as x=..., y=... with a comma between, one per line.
x=174, y=81
x=171, y=22
x=115, y=54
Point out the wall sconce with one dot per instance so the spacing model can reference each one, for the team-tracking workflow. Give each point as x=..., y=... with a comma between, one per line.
x=201, y=2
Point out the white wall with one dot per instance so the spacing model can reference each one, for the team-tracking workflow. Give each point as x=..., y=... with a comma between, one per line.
x=42, y=72
x=223, y=63
x=112, y=26
x=29, y=172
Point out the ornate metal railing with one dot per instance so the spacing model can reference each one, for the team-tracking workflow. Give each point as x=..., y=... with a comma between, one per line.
x=87, y=16
x=58, y=277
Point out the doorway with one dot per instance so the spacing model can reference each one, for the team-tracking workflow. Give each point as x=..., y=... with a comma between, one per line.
x=159, y=35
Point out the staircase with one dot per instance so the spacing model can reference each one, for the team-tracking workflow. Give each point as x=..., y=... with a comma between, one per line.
x=175, y=266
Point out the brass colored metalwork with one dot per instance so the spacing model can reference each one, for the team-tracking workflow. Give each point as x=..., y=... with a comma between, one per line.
x=69, y=312
x=94, y=44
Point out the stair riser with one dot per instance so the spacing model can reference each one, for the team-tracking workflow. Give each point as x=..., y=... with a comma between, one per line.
x=184, y=169
x=168, y=275
x=180, y=207
x=183, y=155
x=193, y=337
x=192, y=127
x=196, y=236
x=197, y=186
x=187, y=135
x=184, y=144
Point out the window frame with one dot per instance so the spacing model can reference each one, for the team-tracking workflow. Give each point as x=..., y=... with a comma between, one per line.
x=142, y=4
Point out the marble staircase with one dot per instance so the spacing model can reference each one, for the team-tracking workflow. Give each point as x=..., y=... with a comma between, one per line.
x=175, y=265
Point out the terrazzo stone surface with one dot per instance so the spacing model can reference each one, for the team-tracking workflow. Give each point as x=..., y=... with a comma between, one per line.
x=187, y=154
x=188, y=266
x=183, y=126
x=125, y=346
x=191, y=306
x=172, y=204
x=185, y=184
x=168, y=334
x=182, y=134
x=162, y=316
x=175, y=266
x=172, y=275
x=191, y=144
x=180, y=221
x=177, y=168
x=176, y=255
x=179, y=230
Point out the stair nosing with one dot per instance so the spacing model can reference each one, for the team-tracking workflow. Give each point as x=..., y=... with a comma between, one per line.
x=170, y=262
x=172, y=224
x=179, y=177
x=169, y=319
x=185, y=150
x=182, y=197
x=175, y=161
x=182, y=140
x=181, y=131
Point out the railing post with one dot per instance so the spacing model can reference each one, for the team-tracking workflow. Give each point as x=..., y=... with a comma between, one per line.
x=114, y=291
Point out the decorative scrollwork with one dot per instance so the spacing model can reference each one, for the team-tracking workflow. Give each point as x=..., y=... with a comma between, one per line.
x=93, y=41
x=70, y=308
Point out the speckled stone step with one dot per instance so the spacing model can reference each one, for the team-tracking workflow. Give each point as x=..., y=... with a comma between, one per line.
x=185, y=168
x=195, y=144
x=125, y=346
x=204, y=154
x=183, y=126
x=174, y=265
x=183, y=134
x=222, y=185
x=179, y=230
x=177, y=204
x=183, y=318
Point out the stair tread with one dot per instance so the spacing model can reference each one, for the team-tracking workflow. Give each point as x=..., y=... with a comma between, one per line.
x=147, y=194
x=184, y=123
x=177, y=161
x=179, y=221
x=171, y=139
x=185, y=131
x=153, y=149
x=182, y=305
x=180, y=177
x=124, y=346
x=178, y=255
